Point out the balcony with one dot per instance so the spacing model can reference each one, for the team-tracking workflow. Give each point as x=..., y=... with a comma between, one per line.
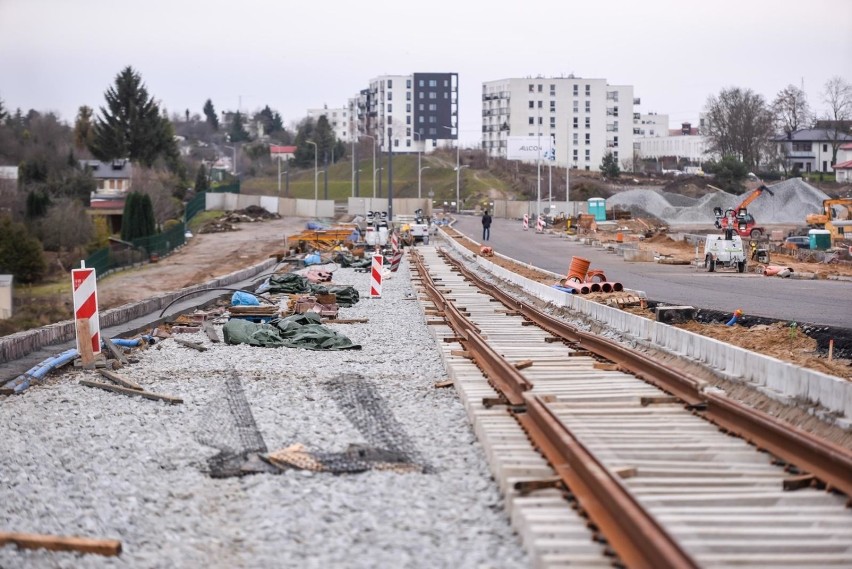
x=637, y=101
x=612, y=96
x=611, y=128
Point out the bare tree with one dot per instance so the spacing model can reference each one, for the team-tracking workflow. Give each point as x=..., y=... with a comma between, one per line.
x=65, y=226
x=838, y=98
x=158, y=185
x=739, y=124
x=791, y=109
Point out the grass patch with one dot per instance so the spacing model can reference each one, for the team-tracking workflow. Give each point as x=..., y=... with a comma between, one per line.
x=203, y=217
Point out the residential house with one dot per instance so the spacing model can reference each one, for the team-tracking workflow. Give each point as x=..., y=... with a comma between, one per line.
x=8, y=188
x=809, y=149
x=282, y=152
x=7, y=302
x=113, y=180
x=843, y=168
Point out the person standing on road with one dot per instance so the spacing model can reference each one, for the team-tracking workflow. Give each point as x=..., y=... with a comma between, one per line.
x=486, y=226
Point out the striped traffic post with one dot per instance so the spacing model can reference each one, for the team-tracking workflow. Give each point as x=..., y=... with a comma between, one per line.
x=395, y=241
x=539, y=225
x=376, y=276
x=526, y=221
x=396, y=259
x=87, y=319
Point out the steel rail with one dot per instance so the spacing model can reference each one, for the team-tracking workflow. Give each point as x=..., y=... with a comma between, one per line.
x=829, y=462
x=632, y=533
x=505, y=377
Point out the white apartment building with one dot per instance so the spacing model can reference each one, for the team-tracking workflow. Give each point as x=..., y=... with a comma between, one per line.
x=586, y=117
x=676, y=145
x=339, y=119
x=408, y=113
x=650, y=124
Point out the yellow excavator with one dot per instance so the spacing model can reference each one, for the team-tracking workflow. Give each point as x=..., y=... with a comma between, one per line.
x=836, y=218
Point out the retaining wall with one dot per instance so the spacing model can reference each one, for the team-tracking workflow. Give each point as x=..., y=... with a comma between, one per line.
x=20, y=344
x=780, y=380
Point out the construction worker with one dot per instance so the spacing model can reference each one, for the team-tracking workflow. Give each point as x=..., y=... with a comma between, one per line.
x=486, y=226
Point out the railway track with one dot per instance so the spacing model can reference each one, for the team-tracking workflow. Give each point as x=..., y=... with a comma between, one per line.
x=661, y=472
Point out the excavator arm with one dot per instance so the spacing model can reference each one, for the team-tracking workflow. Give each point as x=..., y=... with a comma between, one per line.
x=754, y=195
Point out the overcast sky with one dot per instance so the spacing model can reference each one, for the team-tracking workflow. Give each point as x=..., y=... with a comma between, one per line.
x=294, y=55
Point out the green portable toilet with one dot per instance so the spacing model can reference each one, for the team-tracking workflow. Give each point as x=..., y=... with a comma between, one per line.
x=597, y=207
x=819, y=238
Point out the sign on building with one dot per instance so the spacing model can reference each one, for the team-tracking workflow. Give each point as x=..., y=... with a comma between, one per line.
x=530, y=148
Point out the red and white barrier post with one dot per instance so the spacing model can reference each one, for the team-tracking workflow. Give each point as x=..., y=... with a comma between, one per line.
x=539, y=225
x=526, y=221
x=376, y=276
x=86, y=316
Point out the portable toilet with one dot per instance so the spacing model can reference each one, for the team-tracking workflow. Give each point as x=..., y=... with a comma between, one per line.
x=597, y=207
x=819, y=238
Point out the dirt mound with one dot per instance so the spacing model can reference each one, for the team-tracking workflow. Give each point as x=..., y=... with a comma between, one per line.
x=691, y=186
x=256, y=213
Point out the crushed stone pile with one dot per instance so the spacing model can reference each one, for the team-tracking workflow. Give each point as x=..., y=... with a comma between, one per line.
x=793, y=200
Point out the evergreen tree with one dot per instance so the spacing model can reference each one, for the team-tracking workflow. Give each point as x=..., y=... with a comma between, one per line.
x=21, y=254
x=131, y=125
x=130, y=217
x=238, y=132
x=210, y=114
x=304, y=155
x=149, y=221
x=277, y=125
x=609, y=166
x=324, y=137
x=37, y=204
x=3, y=113
x=201, y=183
x=84, y=133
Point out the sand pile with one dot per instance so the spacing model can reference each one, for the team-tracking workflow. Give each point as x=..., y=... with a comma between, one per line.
x=793, y=200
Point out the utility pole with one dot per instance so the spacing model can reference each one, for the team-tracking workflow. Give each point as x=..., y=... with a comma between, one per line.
x=390, y=176
x=325, y=186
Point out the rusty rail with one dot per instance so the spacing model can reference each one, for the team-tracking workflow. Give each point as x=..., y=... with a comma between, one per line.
x=830, y=463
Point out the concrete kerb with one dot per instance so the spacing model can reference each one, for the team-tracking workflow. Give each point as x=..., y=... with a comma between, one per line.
x=779, y=380
x=18, y=345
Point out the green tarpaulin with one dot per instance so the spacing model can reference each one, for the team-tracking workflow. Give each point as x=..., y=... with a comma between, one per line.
x=298, y=331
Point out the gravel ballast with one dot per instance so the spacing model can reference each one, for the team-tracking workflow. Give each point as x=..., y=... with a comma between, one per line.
x=81, y=461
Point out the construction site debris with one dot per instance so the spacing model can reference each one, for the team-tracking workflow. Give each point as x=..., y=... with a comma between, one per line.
x=134, y=392
x=297, y=331
x=193, y=345
x=122, y=381
x=106, y=547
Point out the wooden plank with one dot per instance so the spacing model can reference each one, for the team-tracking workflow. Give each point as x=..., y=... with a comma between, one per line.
x=605, y=366
x=108, y=547
x=123, y=381
x=126, y=391
x=445, y=383
x=84, y=343
x=345, y=320
x=523, y=364
x=210, y=331
x=460, y=353
x=117, y=352
x=192, y=345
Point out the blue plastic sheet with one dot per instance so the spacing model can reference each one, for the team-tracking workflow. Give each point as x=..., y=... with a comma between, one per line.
x=241, y=298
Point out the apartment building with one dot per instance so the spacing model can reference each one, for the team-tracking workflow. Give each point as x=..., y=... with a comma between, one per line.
x=586, y=118
x=408, y=113
x=650, y=124
x=339, y=119
x=672, y=146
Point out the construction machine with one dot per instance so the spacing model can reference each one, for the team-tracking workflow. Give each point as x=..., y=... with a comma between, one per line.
x=739, y=219
x=836, y=218
x=724, y=251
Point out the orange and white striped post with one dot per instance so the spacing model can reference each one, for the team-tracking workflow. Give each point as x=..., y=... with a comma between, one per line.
x=526, y=221
x=376, y=276
x=86, y=316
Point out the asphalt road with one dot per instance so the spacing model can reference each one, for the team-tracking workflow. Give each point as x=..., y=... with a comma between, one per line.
x=821, y=302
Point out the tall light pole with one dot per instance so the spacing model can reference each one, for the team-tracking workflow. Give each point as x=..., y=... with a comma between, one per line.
x=458, y=170
x=316, y=170
x=375, y=171
x=419, y=169
x=287, y=175
x=374, y=161
x=234, y=165
x=458, y=187
x=420, y=179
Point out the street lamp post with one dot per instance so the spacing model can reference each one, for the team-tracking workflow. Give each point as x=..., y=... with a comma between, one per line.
x=458, y=170
x=287, y=176
x=316, y=170
x=458, y=186
x=419, y=169
x=234, y=165
x=375, y=171
x=420, y=179
x=374, y=161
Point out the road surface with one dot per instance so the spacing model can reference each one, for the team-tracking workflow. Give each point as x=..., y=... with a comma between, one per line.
x=824, y=302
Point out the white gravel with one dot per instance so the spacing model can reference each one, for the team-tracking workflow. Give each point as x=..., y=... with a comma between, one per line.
x=80, y=461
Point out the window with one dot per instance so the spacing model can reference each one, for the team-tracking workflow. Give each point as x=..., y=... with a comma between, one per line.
x=615, y=141
x=575, y=155
x=540, y=87
x=446, y=95
x=408, y=83
x=576, y=137
x=390, y=107
x=420, y=95
x=421, y=106
x=408, y=119
x=615, y=154
x=408, y=143
x=801, y=146
x=588, y=122
x=588, y=106
x=433, y=107
x=421, y=82
x=539, y=120
x=532, y=88
x=421, y=119
x=825, y=148
x=433, y=95
x=588, y=138
x=532, y=120
x=552, y=122
x=576, y=90
x=433, y=83
x=588, y=90
x=575, y=122
x=540, y=104
x=408, y=132
x=408, y=107
x=552, y=106
x=576, y=106
x=446, y=82
x=390, y=83
x=408, y=95
x=588, y=155
x=432, y=132
x=433, y=119
x=552, y=90
x=532, y=104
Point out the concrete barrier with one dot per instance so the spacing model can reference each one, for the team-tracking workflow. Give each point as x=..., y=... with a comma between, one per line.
x=638, y=256
x=779, y=380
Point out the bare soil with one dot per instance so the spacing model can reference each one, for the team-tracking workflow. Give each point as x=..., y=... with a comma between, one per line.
x=205, y=257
